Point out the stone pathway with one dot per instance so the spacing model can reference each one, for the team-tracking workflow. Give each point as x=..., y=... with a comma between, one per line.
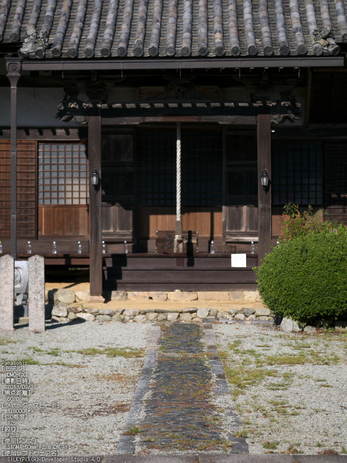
x=182, y=401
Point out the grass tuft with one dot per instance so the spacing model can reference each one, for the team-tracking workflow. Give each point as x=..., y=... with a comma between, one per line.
x=126, y=352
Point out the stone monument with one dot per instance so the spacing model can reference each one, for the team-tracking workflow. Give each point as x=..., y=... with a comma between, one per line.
x=6, y=293
x=37, y=294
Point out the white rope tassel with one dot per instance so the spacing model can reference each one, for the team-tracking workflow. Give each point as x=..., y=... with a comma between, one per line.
x=178, y=172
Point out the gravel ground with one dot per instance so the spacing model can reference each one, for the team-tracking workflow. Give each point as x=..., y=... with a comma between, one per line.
x=83, y=400
x=289, y=389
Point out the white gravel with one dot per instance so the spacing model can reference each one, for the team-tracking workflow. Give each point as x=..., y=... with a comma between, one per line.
x=81, y=406
x=83, y=402
x=301, y=409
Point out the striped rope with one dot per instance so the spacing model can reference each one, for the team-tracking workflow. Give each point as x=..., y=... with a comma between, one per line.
x=178, y=172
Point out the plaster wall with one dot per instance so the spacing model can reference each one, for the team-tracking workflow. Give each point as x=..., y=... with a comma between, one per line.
x=37, y=107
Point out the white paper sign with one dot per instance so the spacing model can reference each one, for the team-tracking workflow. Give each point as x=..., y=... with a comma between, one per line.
x=238, y=260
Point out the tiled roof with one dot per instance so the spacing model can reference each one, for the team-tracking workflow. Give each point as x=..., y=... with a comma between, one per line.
x=173, y=28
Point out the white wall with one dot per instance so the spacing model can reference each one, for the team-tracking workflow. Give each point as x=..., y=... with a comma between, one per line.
x=37, y=107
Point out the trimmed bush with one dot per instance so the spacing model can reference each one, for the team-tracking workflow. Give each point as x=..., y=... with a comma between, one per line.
x=296, y=224
x=306, y=278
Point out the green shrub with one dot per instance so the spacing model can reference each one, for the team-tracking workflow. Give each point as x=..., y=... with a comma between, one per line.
x=306, y=278
x=296, y=224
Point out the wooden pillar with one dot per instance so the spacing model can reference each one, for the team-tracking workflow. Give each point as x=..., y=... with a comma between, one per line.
x=264, y=195
x=13, y=67
x=95, y=250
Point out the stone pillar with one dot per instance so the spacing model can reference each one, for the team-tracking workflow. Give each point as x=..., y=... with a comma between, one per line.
x=37, y=294
x=6, y=293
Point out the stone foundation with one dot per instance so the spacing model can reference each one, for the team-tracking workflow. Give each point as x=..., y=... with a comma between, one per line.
x=68, y=296
x=64, y=314
x=69, y=305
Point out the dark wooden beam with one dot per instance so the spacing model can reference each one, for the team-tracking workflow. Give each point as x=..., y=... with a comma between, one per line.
x=264, y=195
x=94, y=153
x=13, y=67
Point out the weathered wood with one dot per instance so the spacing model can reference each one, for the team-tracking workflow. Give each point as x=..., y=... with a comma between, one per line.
x=4, y=10
x=187, y=28
x=249, y=29
x=265, y=28
x=206, y=220
x=241, y=219
x=61, y=30
x=126, y=25
x=26, y=189
x=281, y=29
x=117, y=221
x=63, y=220
x=66, y=247
x=264, y=196
x=77, y=30
x=171, y=29
x=141, y=28
x=234, y=36
x=155, y=35
x=295, y=17
x=95, y=195
x=218, y=28
x=17, y=21
x=47, y=23
x=341, y=18
x=109, y=30
x=93, y=30
x=184, y=277
x=34, y=15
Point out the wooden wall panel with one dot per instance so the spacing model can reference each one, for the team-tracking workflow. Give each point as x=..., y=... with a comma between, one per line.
x=241, y=221
x=151, y=219
x=277, y=221
x=336, y=214
x=117, y=221
x=63, y=221
x=26, y=189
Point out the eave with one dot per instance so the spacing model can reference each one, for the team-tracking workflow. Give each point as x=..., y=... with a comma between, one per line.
x=183, y=64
